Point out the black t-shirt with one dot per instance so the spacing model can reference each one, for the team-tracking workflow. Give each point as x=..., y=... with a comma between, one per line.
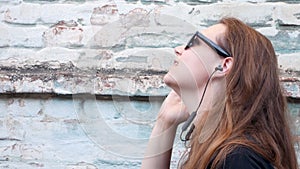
x=244, y=158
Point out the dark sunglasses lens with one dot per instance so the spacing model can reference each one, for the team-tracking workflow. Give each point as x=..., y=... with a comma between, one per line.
x=192, y=42
x=197, y=38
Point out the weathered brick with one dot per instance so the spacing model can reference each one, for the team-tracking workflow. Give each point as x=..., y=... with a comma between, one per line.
x=78, y=12
x=64, y=33
x=24, y=13
x=5, y=2
x=81, y=165
x=205, y=15
x=289, y=62
x=287, y=14
x=146, y=59
x=113, y=50
x=12, y=129
x=150, y=31
x=286, y=41
x=104, y=14
x=21, y=37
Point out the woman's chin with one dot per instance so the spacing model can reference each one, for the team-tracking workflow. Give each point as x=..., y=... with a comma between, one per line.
x=170, y=81
x=167, y=79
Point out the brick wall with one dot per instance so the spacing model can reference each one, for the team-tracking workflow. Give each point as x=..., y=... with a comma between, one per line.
x=81, y=80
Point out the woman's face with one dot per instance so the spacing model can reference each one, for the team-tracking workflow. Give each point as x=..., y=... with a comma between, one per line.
x=193, y=66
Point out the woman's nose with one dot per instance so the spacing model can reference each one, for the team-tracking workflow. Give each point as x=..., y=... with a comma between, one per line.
x=178, y=50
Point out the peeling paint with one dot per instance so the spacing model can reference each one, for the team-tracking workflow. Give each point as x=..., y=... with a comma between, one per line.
x=66, y=65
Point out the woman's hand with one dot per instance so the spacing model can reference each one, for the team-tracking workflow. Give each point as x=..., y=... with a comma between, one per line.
x=159, y=149
x=173, y=111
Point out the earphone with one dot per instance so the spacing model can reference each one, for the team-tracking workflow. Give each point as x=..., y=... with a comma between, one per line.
x=193, y=115
x=219, y=68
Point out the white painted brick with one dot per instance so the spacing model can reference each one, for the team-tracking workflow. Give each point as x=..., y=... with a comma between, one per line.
x=154, y=59
x=54, y=56
x=268, y=31
x=25, y=13
x=130, y=34
x=12, y=56
x=10, y=1
x=25, y=37
x=30, y=152
x=82, y=13
x=149, y=30
x=64, y=33
x=289, y=61
x=203, y=14
x=63, y=141
x=58, y=54
x=284, y=40
x=27, y=84
x=105, y=14
x=124, y=7
x=33, y=13
x=20, y=108
x=55, y=133
x=13, y=128
x=81, y=165
x=52, y=13
x=6, y=86
x=89, y=33
x=288, y=14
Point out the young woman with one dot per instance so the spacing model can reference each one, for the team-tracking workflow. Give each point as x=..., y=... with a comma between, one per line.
x=227, y=75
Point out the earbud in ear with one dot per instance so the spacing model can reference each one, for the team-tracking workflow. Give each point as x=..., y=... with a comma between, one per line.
x=219, y=68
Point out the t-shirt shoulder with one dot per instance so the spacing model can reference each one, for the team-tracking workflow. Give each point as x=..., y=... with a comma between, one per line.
x=245, y=158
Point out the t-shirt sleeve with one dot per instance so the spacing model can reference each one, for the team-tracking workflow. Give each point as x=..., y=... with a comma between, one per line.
x=243, y=158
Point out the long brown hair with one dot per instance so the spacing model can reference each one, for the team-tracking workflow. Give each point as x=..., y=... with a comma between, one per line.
x=254, y=113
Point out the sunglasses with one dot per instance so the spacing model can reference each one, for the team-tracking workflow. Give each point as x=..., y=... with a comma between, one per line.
x=210, y=43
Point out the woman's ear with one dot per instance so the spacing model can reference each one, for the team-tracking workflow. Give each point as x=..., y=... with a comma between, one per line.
x=227, y=65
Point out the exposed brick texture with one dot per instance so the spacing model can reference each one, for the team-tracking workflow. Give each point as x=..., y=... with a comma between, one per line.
x=69, y=69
